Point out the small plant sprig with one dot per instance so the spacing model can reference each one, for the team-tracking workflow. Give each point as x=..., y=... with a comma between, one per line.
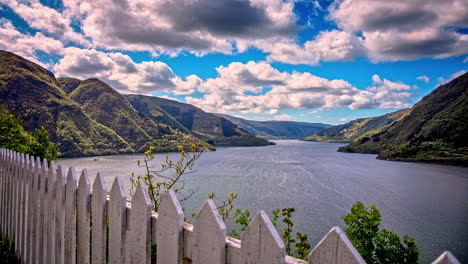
x=169, y=176
x=302, y=246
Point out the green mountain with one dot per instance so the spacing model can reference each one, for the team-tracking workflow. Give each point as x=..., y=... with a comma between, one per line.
x=356, y=128
x=108, y=107
x=33, y=93
x=276, y=129
x=209, y=127
x=434, y=130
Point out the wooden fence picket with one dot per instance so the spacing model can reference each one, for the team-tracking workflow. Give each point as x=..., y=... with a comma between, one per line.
x=2, y=189
x=34, y=210
x=335, y=248
x=9, y=200
x=117, y=222
x=70, y=218
x=51, y=208
x=60, y=214
x=83, y=232
x=139, y=228
x=14, y=197
x=41, y=202
x=3, y=185
x=446, y=258
x=209, y=231
x=98, y=219
x=261, y=243
x=19, y=230
x=28, y=211
x=169, y=230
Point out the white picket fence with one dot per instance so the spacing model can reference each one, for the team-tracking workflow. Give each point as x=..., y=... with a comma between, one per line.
x=54, y=218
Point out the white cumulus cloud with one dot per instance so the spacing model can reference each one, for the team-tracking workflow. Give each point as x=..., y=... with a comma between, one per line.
x=122, y=73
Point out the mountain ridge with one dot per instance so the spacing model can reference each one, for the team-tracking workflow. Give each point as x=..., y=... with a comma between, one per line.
x=434, y=129
x=211, y=128
x=346, y=133
x=33, y=93
x=276, y=129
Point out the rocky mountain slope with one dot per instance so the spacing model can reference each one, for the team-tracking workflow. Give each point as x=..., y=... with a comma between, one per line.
x=33, y=93
x=435, y=129
x=209, y=127
x=346, y=133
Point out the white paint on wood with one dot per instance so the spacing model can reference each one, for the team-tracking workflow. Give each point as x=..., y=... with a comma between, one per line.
x=70, y=218
x=335, y=248
x=187, y=240
x=22, y=199
x=117, y=222
x=41, y=198
x=209, y=231
x=233, y=251
x=28, y=227
x=446, y=258
x=35, y=210
x=83, y=222
x=139, y=233
x=60, y=215
x=169, y=230
x=51, y=204
x=2, y=189
x=98, y=218
x=261, y=243
x=15, y=197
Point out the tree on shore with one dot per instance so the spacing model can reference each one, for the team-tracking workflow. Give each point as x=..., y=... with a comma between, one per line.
x=377, y=245
x=14, y=137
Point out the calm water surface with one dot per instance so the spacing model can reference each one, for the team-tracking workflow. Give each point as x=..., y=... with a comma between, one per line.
x=428, y=202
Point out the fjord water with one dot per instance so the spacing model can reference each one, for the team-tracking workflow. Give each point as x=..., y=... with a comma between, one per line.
x=426, y=201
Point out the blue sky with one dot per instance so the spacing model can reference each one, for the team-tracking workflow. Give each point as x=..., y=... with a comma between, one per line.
x=314, y=61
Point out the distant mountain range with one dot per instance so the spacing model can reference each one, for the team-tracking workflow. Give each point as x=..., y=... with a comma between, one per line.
x=89, y=117
x=213, y=129
x=348, y=132
x=434, y=129
x=277, y=129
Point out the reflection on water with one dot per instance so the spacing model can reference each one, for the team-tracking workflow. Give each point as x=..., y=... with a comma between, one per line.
x=428, y=202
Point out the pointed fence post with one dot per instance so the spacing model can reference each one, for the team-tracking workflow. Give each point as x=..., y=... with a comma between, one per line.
x=83, y=232
x=446, y=258
x=60, y=215
x=70, y=218
x=169, y=230
x=15, y=190
x=139, y=232
x=117, y=222
x=2, y=192
x=7, y=193
x=2, y=165
x=209, y=245
x=23, y=207
x=18, y=202
x=98, y=218
x=51, y=207
x=41, y=198
x=335, y=248
x=11, y=173
x=35, y=210
x=261, y=243
x=28, y=204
